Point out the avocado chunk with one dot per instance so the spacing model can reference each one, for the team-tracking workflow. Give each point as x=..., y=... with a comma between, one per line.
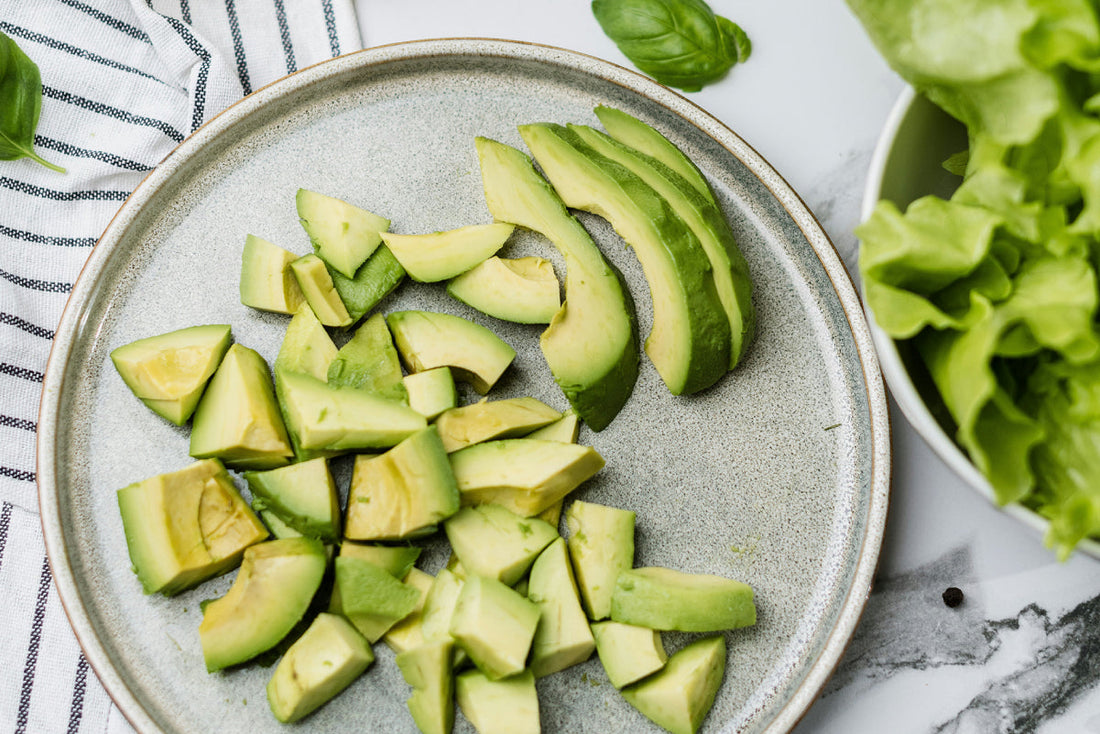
x=266, y=280
x=628, y=653
x=427, y=340
x=409, y=633
x=679, y=697
x=343, y=235
x=402, y=493
x=319, y=291
x=186, y=526
x=565, y=429
x=370, y=362
x=562, y=638
x=302, y=495
x=428, y=670
x=663, y=599
x=168, y=372
x=397, y=561
x=272, y=591
x=317, y=667
x=601, y=544
x=306, y=349
x=689, y=343
x=525, y=475
x=702, y=215
x=486, y=420
x=492, y=541
x=370, y=598
x=374, y=280
x=524, y=290
x=494, y=625
x=238, y=419
x=509, y=706
x=591, y=345
x=429, y=258
x=431, y=392
x=276, y=525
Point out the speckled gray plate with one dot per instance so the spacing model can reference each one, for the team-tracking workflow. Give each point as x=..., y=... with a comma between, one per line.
x=777, y=476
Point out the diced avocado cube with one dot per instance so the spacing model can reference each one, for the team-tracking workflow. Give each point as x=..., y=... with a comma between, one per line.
x=439, y=606
x=494, y=625
x=564, y=429
x=524, y=290
x=238, y=419
x=369, y=362
x=628, y=653
x=266, y=280
x=493, y=541
x=303, y=495
x=375, y=279
x=307, y=349
x=319, y=291
x=664, y=599
x=431, y=392
x=428, y=670
x=427, y=340
x=397, y=561
x=372, y=599
x=429, y=258
x=409, y=632
x=509, y=706
x=270, y=595
x=679, y=696
x=186, y=526
x=552, y=514
x=342, y=234
x=601, y=544
x=563, y=638
x=317, y=667
x=169, y=372
x=489, y=419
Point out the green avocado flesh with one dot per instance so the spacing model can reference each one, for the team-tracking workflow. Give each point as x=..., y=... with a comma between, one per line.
x=343, y=235
x=429, y=258
x=372, y=599
x=428, y=670
x=664, y=599
x=524, y=290
x=427, y=340
x=489, y=419
x=492, y=541
x=409, y=633
x=628, y=653
x=509, y=706
x=266, y=280
x=494, y=625
x=319, y=291
x=431, y=392
x=318, y=666
x=439, y=606
x=185, y=527
x=689, y=343
x=563, y=638
x=303, y=495
x=369, y=361
x=374, y=280
x=397, y=561
x=601, y=544
x=270, y=595
x=169, y=372
x=307, y=349
x=591, y=344
x=679, y=696
x=565, y=429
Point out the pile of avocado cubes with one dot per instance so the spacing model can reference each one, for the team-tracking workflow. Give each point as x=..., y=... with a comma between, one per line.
x=506, y=609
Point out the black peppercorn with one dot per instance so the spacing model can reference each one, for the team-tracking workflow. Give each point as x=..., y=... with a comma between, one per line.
x=953, y=597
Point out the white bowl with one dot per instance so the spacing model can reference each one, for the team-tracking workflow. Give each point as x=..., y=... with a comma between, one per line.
x=906, y=165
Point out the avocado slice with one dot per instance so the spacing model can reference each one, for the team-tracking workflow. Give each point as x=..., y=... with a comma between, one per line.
x=272, y=591
x=369, y=361
x=306, y=349
x=509, y=706
x=493, y=541
x=628, y=653
x=169, y=372
x=524, y=290
x=374, y=280
x=266, y=280
x=427, y=340
x=303, y=495
x=565, y=429
x=238, y=419
x=276, y=525
x=409, y=633
x=317, y=667
x=486, y=420
x=431, y=392
x=429, y=258
x=371, y=598
x=689, y=343
x=601, y=543
x=186, y=526
x=562, y=638
x=525, y=475
x=494, y=625
x=403, y=492
x=664, y=599
x=343, y=235
x=320, y=293
x=428, y=670
x=679, y=696
x=591, y=345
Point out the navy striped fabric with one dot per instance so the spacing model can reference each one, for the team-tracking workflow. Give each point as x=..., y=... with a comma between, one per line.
x=123, y=81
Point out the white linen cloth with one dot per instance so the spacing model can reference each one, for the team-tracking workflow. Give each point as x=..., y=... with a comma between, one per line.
x=124, y=82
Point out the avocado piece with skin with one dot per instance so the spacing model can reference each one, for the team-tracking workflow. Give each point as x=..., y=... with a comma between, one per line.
x=186, y=526
x=509, y=706
x=679, y=696
x=238, y=419
x=427, y=669
x=429, y=258
x=689, y=342
x=266, y=280
x=431, y=392
x=591, y=345
x=271, y=593
x=408, y=633
x=486, y=420
x=523, y=290
x=369, y=361
x=628, y=653
x=320, y=664
x=343, y=235
x=374, y=280
x=562, y=638
x=601, y=544
x=169, y=372
x=306, y=349
x=664, y=599
x=303, y=495
x=494, y=625
x=320, y=293
x=373, y=600
x=426, y=340
x=492, y=541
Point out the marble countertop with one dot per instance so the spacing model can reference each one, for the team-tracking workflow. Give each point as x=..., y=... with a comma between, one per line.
x=1022, y=653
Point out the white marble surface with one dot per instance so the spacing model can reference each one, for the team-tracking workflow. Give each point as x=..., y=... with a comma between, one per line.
x=1022, y=654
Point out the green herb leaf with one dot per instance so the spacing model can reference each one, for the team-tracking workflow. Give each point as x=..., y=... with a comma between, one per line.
x=680, y=43
x=20, y=104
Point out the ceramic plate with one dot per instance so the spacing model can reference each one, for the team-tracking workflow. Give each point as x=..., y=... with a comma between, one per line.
x=777, y=476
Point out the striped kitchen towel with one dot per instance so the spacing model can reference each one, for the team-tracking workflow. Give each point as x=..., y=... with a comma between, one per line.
x=123, y=81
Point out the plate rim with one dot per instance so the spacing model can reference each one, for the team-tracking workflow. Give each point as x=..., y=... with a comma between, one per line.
x=859, y=583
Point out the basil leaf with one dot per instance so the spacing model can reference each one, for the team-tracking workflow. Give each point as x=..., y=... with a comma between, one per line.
x=20, y=103
x=680, y=43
